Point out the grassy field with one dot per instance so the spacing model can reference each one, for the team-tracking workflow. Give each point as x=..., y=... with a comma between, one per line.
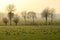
x=30, y=32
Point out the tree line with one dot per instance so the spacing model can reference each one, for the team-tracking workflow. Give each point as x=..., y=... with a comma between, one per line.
x=46, y=13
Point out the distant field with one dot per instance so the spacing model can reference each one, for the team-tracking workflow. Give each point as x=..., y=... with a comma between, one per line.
x=30, y=32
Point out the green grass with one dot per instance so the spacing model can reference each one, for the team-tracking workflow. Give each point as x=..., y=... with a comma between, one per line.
x=30, y=32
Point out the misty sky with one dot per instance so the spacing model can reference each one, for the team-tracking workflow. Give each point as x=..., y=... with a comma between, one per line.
x=31, y=5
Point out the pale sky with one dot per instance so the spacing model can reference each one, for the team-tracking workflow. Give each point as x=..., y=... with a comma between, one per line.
x=31, y=5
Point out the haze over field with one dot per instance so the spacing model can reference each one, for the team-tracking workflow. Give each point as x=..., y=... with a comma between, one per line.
x=31, y=5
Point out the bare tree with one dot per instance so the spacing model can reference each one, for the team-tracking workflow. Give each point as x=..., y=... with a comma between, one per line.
x=32, y=15
x=52, y=11
x=5, y=20
x=16, y=20
x=10, y=12
x=45, y=14
x=24, y=15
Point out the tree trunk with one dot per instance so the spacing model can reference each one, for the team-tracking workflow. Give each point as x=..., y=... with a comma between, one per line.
x=33, y=21
x=10, y=22
x=16, y=24
x=46, y=20
x=25, y=21
x=51, y=19
x=6, y=24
